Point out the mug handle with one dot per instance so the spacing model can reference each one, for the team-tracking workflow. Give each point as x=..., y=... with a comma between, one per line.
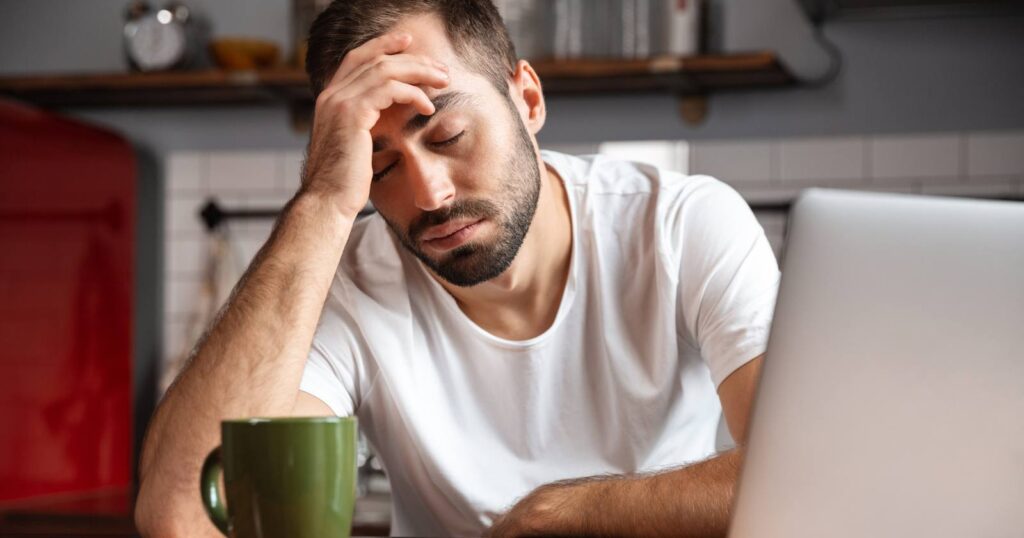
x=208, y=490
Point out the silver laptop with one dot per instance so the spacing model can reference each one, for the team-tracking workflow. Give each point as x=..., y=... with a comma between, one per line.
x=892, y=398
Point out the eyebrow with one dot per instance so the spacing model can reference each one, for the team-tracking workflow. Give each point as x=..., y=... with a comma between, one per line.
x=419, y=121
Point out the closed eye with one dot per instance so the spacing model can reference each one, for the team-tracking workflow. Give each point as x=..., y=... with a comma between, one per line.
x=384, y=172
x=448, y=142
x=444, y=143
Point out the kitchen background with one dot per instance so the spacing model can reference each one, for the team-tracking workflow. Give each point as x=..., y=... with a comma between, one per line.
x=900, y=99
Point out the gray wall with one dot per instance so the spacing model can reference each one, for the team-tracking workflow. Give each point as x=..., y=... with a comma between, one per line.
x=902, y=75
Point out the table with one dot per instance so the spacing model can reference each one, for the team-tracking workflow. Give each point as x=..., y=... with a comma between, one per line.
x=108, y=513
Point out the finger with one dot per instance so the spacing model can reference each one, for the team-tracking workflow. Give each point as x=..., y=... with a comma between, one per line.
x=359, y=71
x=394, y=92
x=363, y=111
x=367, y=112
x=389, y=43
x=412, y=72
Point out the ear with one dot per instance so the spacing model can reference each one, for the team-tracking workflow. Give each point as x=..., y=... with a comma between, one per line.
x=528, y=96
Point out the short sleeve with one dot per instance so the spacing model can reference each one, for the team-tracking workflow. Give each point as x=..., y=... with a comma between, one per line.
x=331, y=372
x=728, y=276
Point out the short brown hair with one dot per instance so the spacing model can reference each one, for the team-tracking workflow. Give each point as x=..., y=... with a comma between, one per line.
x=474, y=28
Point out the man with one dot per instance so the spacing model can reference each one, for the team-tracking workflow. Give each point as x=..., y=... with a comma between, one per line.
x=509, y=323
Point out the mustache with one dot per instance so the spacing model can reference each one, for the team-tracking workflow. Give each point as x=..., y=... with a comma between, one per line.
x=458, y=210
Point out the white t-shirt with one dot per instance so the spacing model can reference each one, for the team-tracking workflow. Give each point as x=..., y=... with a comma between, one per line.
x=671, y=288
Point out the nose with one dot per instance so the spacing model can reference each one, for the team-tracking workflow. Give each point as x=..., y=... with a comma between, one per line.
x=430, y=183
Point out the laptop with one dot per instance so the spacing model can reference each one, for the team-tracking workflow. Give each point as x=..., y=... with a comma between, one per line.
x=892, y=399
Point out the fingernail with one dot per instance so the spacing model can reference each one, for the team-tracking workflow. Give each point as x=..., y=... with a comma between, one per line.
x=441, y=65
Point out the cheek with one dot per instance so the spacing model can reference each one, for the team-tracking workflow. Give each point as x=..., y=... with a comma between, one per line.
x=385, y=202
x=483, y=164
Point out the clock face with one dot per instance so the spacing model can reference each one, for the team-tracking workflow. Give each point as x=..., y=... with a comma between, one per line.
x=154, y=45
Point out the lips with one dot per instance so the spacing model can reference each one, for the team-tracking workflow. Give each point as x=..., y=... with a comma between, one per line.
x=455, y=235
x=449, y=228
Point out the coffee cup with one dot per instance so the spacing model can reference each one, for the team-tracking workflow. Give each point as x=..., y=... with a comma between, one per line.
x=289, y=476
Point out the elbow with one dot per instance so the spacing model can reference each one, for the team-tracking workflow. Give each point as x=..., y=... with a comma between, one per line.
x=154, y=518
x=150, y=524
x=161, y=512
x=143, y=521
x=146, y=521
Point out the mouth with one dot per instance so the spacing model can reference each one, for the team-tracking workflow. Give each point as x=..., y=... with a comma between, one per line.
x=451, y=234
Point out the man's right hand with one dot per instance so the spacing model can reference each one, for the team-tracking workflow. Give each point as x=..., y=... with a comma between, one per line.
x=371, y=78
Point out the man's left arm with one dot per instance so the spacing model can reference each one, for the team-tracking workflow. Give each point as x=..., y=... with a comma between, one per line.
x=694, y=500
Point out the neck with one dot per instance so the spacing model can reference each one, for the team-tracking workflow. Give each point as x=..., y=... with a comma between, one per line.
x=522, y=302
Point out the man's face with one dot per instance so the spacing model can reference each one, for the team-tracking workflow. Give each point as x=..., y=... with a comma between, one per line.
x=459, y=188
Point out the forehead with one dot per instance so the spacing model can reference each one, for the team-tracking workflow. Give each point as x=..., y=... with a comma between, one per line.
x=429, y=38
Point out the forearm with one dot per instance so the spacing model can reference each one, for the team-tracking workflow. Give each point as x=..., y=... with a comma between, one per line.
x=690, y=501
x=250, y=362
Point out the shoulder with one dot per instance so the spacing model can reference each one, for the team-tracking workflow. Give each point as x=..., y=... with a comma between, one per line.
x=599, y=174
x=603, y=175
x=608, y=187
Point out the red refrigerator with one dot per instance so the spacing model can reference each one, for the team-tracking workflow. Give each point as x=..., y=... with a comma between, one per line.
x=77, y=336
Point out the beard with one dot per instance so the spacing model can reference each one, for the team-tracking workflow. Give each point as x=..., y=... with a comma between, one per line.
x=512, y=212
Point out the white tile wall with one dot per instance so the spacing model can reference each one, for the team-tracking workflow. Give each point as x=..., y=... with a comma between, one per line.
x=763, y=171
x=667, y=154
x=184, y=256
x=176, y=342
x=925, y=157
x=822, y=160
x=996, y=154
x=186, y=172
x=181, y=295
x=181, y=212
x=1004, y=188
x=736, y=162
x=245, y=170
x=291, y=169
x=237, y=179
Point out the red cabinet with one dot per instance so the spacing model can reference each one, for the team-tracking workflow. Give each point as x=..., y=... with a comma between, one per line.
x=67, y=242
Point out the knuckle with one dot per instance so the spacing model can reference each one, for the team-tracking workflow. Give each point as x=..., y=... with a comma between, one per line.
x=382, y=67
x=396, y=88
x=331, y=102
x=344, y=106
x=323, y=99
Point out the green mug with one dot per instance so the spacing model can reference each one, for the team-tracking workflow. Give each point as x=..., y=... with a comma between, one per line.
x=293, y=477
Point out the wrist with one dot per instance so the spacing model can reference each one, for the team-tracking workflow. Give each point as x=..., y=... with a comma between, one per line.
x=330, y=203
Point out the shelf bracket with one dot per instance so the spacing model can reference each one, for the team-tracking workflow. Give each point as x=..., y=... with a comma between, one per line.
x=693, y=109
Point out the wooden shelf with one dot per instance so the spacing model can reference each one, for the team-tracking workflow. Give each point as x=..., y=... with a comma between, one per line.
x=698, y=75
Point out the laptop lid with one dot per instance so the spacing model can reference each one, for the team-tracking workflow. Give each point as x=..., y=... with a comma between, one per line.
x=892, y=398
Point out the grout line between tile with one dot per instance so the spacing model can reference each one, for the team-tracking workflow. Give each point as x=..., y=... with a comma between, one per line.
x=962, y=172
x=868, y=155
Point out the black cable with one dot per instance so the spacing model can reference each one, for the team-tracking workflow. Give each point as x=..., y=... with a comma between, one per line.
x=835, y=57
x=817, y=12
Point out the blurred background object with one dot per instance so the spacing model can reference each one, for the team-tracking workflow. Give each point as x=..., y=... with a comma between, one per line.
x=79, y=325
x=304, y=12
x=240, y=54
x=168, y=38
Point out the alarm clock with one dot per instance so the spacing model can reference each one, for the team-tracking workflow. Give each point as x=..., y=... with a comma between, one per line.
x=162, y=39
